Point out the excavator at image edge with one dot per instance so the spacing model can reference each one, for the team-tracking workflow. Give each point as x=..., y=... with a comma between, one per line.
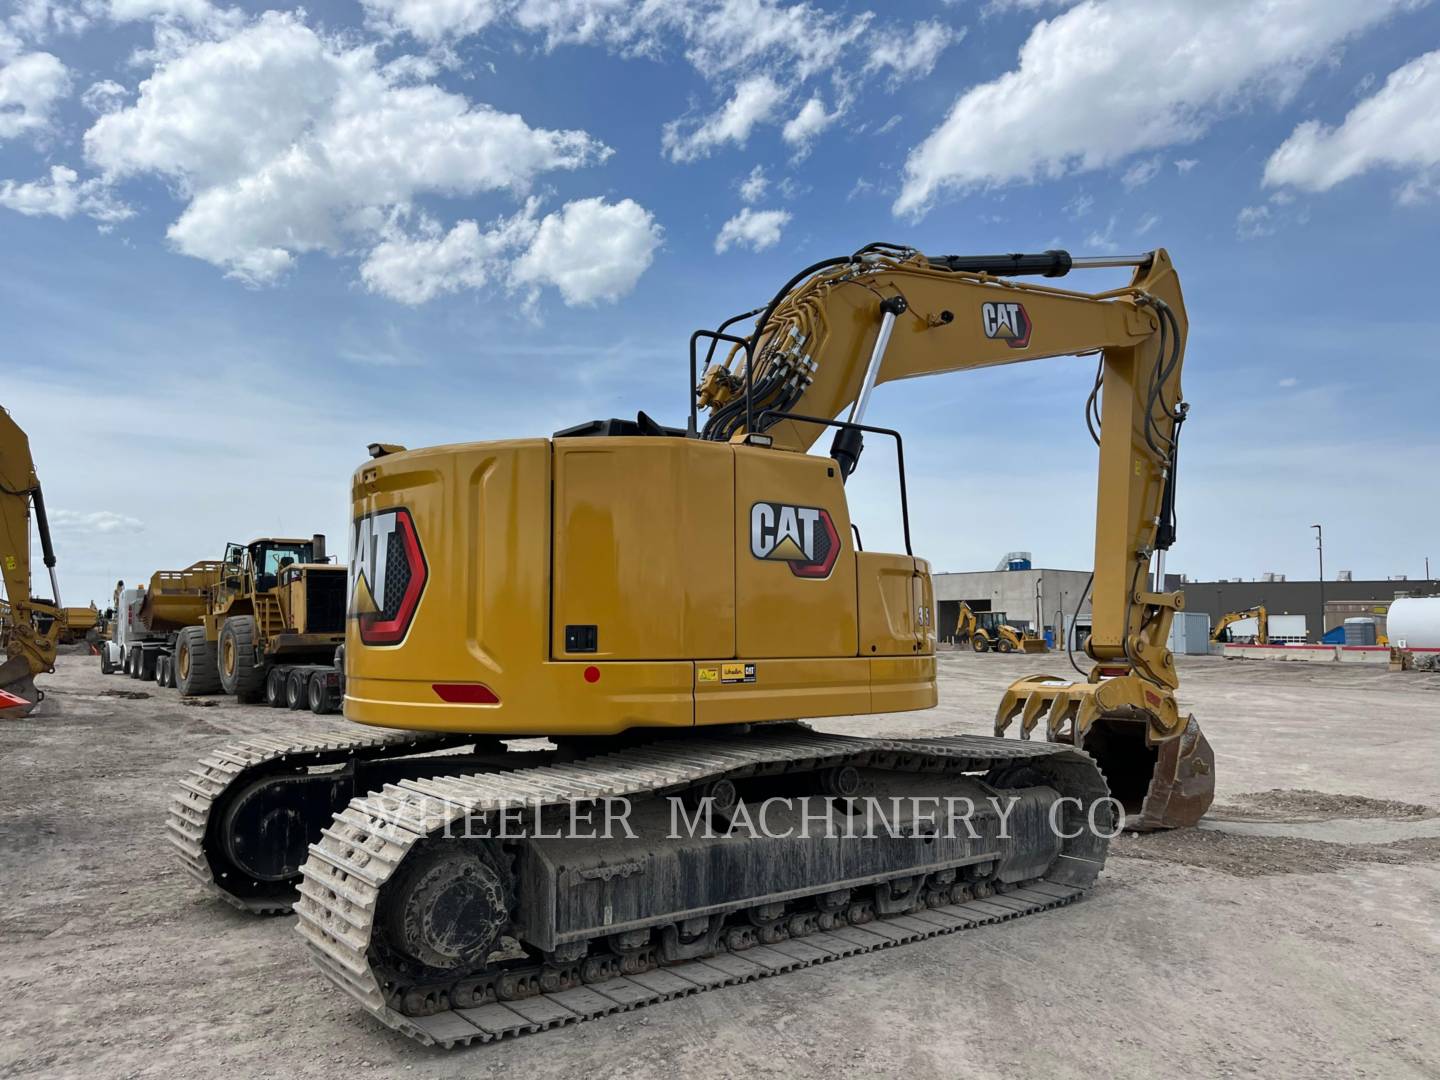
x=28, y=650
x=661, y=605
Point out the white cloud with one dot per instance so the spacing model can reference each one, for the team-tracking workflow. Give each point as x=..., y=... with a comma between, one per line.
x=1080, y=205
x=198, y=12
x=752, y=188
x=1111, y=78
x=1141, y=173
x=104, y=97
x=432, y=21
x=1254, y=221
x=1148, y=222
x=755, y=100
x=1397, y=127
x=589, y=250
x=1288, y=382
x=911, y=53
x=286, y=142
x=30, y=86
x=732, y=44
x=802, y=129
x=62, y=197
x=1103, y=242
x=94, y=521
x=755, y=229
x=1184, y=165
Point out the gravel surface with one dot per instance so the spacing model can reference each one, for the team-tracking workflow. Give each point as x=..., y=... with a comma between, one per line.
x=1201, y=953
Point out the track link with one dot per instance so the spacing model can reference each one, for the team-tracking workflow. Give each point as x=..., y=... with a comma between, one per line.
x=366, y=843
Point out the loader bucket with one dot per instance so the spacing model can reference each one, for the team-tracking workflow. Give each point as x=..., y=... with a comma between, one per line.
x=18, y=695
x=1033, y=645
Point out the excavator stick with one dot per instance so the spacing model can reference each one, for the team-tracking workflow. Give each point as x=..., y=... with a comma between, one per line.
x=1161, y=768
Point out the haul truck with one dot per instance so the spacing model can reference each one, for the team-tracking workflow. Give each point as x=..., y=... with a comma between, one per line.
x=149, y=620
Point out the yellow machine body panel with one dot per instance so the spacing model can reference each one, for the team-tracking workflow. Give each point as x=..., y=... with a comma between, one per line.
x=644, y=544
x=693, y=583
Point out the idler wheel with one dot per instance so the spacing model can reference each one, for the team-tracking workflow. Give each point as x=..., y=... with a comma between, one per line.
x=448, y=910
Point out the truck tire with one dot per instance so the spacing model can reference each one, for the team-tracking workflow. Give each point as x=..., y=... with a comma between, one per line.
x=319, y=695
x=196, y=670
x=145, y=665
x=106, y=667
x=978, y=643
x=242, y=672
x=297, y=694
x=161, y=663
x=170, y=671
x=275, y=687
x=1004, y=646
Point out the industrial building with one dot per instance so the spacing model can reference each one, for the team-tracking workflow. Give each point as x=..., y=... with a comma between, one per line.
x=1042, y=599
x=1032, y=598
x=1343, y=599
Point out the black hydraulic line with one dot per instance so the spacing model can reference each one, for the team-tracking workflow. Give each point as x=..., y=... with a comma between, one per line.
x=814, y=268
x=1070, y=634
x=1165, y=532
x=709, y=356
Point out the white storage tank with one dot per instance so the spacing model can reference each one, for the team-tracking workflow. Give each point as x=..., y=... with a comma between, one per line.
x=1413, y=622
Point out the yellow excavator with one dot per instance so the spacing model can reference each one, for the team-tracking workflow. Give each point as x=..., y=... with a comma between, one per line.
x=662, y=604
x=1221, y=631
x=28, y=650
x=989, y=631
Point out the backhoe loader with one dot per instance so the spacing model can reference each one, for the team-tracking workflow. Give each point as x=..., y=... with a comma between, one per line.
x=990, y=630
x=1221, y=631
x=662, y=604
x=28, y=650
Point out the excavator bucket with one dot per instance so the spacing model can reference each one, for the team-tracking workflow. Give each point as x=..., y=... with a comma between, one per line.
x=1182, y=786
x=1163, y=782
x=18, y=695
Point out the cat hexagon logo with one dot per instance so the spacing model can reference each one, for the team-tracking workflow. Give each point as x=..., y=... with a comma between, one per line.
x=802, y=536
x=387, y=575
x=1006, y=322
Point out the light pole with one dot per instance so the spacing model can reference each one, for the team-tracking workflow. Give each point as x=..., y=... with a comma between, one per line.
x=1320, y=547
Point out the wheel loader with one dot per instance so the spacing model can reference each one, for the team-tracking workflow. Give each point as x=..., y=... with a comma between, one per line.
x=662, y=605
x=274, y=618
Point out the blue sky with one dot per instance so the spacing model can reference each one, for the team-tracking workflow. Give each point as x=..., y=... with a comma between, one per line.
x=237, y=245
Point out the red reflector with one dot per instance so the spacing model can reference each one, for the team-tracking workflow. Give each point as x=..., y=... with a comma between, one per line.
x=592, y=674
x=466, y=693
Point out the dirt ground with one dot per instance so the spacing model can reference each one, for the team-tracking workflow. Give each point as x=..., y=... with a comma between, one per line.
x=1294, y=936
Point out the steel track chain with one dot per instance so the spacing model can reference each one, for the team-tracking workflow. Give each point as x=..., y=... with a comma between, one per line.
x=189, y=816
x=366, y=842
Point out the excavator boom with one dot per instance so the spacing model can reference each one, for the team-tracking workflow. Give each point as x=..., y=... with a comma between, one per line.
x=890, y=313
